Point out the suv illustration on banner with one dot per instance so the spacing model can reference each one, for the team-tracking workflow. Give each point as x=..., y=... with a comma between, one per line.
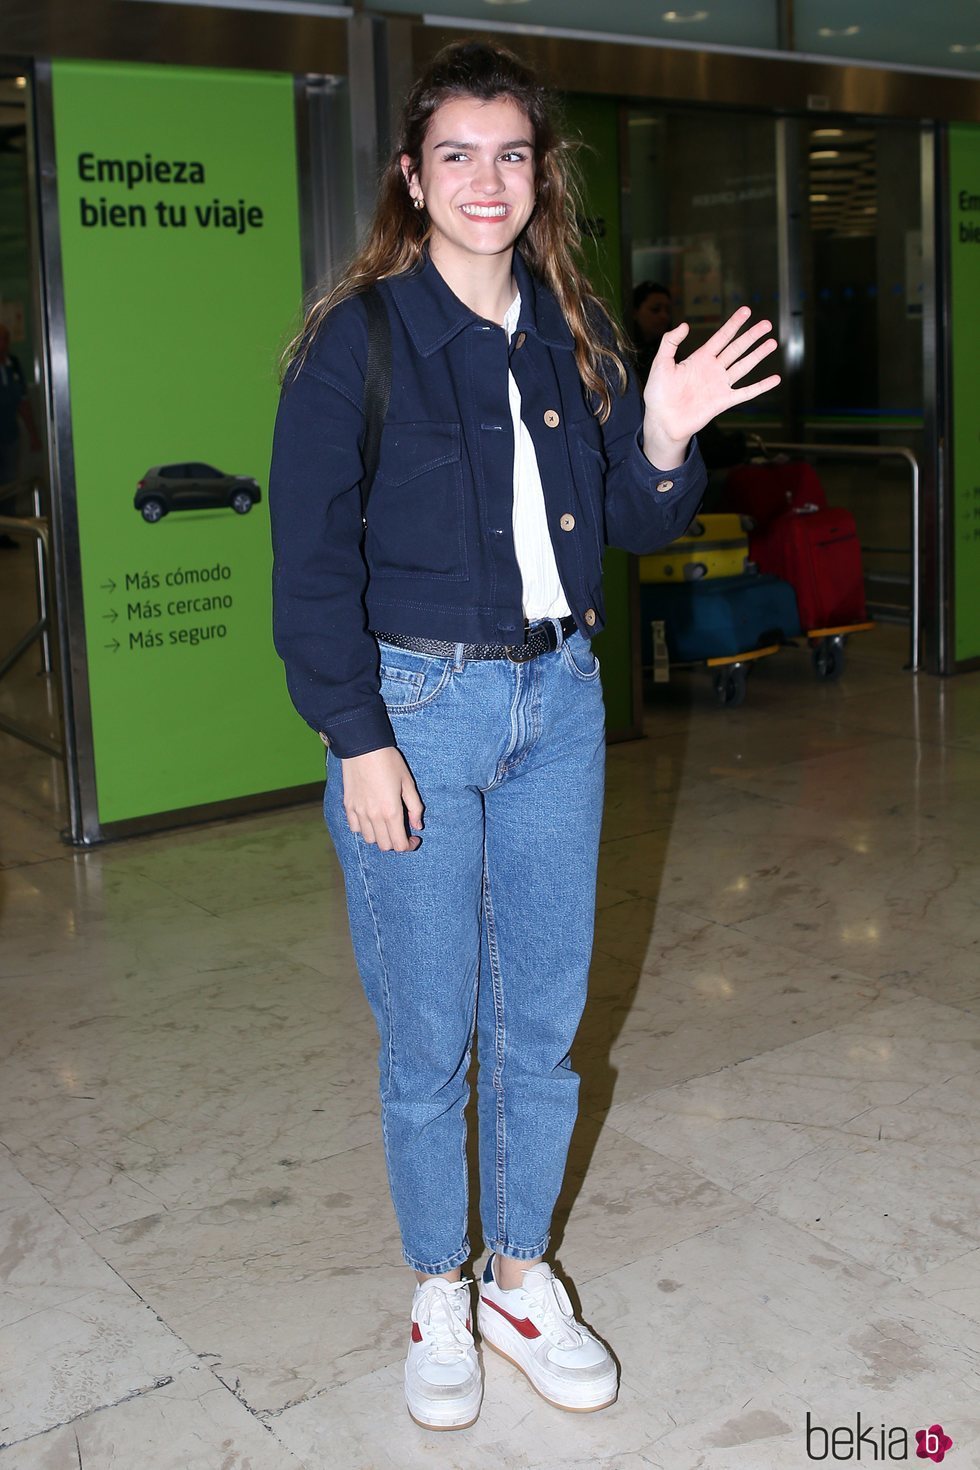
x=192, y=486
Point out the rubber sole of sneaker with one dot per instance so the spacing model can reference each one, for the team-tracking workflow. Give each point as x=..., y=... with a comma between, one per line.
x=455, y=1424
x=440, y=1427
x=568, y=1408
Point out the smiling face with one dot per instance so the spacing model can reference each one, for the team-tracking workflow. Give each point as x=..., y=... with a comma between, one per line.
x=476, y=176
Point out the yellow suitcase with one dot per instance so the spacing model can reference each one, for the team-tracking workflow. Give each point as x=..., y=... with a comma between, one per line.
x=712, y=546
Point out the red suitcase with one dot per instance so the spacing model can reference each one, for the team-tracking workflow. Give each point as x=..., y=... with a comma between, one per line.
x=765, y=491
x=820, y=555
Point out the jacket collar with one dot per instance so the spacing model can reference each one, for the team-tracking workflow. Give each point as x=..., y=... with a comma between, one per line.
x=434, y=314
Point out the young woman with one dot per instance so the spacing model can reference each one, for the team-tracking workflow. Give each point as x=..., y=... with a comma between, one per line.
x=444, y=654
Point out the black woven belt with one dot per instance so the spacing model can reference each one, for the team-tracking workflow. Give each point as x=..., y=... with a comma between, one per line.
x=540, y=640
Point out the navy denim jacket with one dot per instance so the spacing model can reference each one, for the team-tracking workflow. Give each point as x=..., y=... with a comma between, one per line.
x=438, y=557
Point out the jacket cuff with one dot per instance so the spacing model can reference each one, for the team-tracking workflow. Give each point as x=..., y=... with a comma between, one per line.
x=366, y=729
x=683, y=487
x=677, y=481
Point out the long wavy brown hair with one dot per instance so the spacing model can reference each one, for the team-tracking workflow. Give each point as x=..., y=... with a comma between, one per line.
x=550, y=242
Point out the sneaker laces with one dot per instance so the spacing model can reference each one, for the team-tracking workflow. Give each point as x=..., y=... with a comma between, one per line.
x=437, y=1311
x=551, y=1302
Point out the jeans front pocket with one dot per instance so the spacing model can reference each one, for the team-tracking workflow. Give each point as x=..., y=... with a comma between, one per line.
x=578, y=655
x=411, y=681
x=400, y=687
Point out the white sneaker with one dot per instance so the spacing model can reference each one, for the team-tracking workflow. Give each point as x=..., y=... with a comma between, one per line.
x=534, y=1326
x=443, y=1385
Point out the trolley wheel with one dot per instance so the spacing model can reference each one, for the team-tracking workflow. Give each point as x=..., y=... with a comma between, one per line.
x=730, y=685
x=828, y=657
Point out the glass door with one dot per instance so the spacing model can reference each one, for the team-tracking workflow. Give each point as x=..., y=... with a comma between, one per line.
x=721, y=208
x=32, y=788
x=701, y=200
x=863, y=300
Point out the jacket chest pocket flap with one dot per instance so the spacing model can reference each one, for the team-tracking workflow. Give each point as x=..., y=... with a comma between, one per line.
x=415, y=513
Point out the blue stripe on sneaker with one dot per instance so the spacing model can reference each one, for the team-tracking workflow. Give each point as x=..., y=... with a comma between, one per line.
x=488, y=1271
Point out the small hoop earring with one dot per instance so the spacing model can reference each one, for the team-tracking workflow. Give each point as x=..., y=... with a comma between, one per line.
x=419, y=203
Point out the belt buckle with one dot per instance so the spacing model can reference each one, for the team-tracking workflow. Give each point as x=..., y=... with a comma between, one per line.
x=527, y=651
x=519, y=653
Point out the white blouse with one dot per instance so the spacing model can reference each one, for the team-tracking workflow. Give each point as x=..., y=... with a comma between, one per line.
x=544, y=596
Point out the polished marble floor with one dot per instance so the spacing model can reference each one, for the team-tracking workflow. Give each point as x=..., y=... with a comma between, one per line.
x=771, y=1210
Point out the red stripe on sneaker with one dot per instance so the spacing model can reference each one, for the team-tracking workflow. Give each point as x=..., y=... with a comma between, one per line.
x=524, y=1325
x=416, y=1332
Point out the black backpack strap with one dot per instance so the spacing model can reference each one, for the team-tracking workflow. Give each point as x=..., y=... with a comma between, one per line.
x=377, y=388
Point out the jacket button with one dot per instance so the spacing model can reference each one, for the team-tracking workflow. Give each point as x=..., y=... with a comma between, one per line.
x=551, y=418
x=666, y=485
x=520, y=339
x=589, y=616
x=567, y=523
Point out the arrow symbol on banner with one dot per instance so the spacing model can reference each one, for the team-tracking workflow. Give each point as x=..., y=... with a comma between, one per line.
x=114, y=645
x=112, y=616
x=109, y=586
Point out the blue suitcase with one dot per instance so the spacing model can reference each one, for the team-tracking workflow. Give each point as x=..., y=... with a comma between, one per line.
x=718, y=617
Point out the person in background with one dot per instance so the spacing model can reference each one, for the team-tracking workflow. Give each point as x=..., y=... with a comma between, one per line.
x=15, y=409
x=652, y=317
x=443, y=650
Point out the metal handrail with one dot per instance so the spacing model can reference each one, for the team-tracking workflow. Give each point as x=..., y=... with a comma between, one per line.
x=37, y=527
x=872, y=451
x=31, y=485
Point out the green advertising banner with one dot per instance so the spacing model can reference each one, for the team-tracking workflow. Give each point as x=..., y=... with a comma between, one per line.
x=964, y=218
x=178, y=204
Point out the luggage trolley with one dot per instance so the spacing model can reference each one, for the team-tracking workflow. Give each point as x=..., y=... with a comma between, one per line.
x=711, y=607
x=827, y=648
x=732, y=672
x=725, y=624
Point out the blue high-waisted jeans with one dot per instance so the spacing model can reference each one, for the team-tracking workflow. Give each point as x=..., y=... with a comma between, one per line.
x=489, y=920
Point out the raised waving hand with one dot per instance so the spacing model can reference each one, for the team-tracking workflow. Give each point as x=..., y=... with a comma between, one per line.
x=681, y=397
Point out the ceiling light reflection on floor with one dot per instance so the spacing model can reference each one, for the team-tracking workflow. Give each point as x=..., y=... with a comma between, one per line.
x=713, y=985
x=860, y=933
